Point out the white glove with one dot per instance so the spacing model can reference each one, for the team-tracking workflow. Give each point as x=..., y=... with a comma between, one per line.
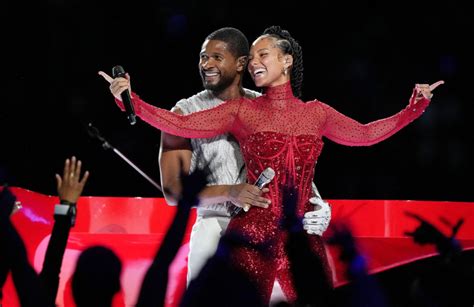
x=316, y=222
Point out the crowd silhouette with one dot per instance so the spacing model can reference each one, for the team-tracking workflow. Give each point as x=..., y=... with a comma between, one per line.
x=448, y=281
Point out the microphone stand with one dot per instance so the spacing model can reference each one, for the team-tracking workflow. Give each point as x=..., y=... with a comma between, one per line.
x=94, y=133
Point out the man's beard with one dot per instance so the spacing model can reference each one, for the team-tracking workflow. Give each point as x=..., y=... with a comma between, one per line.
x=223, y=83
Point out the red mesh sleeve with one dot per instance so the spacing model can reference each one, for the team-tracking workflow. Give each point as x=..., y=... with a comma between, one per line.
x=203, y=124
x=344, y=130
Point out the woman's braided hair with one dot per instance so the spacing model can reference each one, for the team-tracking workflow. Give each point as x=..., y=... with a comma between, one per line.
x=288, y=45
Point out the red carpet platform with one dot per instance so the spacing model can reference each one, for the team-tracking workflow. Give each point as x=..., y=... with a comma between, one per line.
x=134, y=228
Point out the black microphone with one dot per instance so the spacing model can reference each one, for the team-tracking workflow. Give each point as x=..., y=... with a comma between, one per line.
x=118, y=71
x=265, y=177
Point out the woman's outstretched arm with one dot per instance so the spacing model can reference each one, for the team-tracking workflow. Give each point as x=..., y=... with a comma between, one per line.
x=347, y=131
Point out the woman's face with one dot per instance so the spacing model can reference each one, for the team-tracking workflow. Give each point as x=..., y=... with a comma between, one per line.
x=267, y=63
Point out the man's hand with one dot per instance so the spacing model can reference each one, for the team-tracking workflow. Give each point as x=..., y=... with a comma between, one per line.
x=117, y=85
x=245, y=195
x=316, y=222
x=70, y=186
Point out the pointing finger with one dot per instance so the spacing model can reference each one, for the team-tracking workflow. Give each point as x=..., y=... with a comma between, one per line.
x=106, y=76
x=436, y=84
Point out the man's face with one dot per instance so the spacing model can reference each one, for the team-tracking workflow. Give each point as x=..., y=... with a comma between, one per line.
x=217, y=66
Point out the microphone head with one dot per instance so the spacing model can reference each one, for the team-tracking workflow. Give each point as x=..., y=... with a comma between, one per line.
x=92, y=131
x=118, y=71
x=265, y=177
x=269, y=173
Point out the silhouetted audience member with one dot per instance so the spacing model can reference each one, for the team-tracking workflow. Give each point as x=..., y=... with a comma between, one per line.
x=364, y=290
x=154, y=285
x=4, y=269
x=69, y=188
x=3, y=275
x=450, y=280
x=15, y=258
x=312, y=280
x=96, y=278
x=220, y=283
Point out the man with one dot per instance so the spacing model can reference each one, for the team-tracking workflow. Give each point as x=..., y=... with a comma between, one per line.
x=222, y=64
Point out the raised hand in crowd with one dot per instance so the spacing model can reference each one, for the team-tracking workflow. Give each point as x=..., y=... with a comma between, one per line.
x=154, y=285
x=69, y=188
x=449, y=281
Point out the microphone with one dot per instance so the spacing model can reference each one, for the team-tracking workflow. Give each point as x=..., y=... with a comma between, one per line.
x=265, y=177
x=118, y=71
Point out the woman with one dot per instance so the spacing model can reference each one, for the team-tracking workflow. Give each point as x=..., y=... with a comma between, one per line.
x=280, y=131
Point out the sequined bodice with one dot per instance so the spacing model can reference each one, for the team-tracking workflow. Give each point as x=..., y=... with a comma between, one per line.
x=291, y=157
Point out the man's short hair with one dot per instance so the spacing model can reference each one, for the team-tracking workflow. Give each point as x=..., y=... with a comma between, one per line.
x=234, y=38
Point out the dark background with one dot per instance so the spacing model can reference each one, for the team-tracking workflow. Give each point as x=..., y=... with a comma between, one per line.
x=362, y=58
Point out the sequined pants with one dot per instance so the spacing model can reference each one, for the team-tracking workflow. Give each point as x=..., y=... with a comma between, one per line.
x=264, y=259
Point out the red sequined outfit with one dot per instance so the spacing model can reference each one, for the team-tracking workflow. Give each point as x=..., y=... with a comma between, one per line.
x=279, y=131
